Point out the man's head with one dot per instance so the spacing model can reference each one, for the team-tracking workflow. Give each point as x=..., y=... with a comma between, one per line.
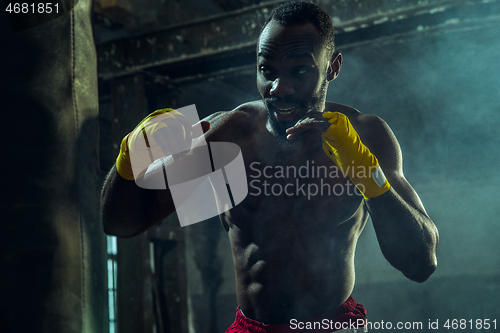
x=295, y=61
x=301, y=12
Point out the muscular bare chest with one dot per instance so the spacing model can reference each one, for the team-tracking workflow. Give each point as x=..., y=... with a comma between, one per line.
x=292, y=190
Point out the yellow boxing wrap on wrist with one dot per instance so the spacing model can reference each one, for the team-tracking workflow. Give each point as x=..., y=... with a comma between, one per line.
x=342, y=144
x=142, y=158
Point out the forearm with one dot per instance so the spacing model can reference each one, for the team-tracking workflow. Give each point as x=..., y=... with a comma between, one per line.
x=407, y=236
x=128, y=210
x=132, y=201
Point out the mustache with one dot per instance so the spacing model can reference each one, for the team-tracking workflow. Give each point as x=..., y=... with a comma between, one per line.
x=286, y=99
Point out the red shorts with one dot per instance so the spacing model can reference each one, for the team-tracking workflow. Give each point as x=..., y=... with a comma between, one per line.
x=346, y=316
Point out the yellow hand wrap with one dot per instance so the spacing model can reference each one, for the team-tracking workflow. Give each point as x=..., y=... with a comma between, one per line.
x=342, y=144
x=139, y=152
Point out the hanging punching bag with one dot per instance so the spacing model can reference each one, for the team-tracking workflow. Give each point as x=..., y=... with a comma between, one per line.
x=52, y=248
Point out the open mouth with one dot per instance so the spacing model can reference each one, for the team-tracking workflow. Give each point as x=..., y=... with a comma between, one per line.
x=285, y=112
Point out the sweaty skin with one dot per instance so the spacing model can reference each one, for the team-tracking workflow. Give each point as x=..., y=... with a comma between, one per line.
x=294, y=256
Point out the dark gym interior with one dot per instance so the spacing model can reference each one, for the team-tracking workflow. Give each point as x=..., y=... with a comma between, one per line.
x=75, y=82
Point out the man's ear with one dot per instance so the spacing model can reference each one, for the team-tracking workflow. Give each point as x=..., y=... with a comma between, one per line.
x=334, y=68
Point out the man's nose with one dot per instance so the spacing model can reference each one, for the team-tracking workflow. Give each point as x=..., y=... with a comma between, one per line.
x=282, y=87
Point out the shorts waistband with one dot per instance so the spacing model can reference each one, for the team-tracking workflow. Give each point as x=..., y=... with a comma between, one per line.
x=343, y=319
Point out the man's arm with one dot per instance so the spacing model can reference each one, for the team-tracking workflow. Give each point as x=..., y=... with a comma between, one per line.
x=407, y=236
x=128, y=210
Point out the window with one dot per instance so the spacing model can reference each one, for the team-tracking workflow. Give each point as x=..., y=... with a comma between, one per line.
x=112, y=250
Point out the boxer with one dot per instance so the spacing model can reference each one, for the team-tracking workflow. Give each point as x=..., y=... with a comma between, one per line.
x=294, y=254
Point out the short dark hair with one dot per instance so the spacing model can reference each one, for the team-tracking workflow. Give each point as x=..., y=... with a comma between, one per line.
x=301, y=12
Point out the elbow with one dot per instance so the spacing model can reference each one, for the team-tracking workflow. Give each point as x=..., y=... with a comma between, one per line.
x=112, y=227
x=421, y=273
x=111, y=230
x=424, y=267
x=119, y=232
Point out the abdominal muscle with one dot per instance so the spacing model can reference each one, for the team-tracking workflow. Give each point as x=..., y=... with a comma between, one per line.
x=288, y=267
x=293, y=255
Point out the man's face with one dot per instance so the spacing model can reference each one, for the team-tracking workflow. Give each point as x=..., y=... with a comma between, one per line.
x=292, y=67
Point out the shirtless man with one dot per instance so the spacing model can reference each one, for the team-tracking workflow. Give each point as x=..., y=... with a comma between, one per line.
x=293, y=254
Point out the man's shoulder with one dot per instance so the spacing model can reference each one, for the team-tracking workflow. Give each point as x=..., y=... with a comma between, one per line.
x=367, y=125
x=250, y=109
x=239, y=121
x=376, y=135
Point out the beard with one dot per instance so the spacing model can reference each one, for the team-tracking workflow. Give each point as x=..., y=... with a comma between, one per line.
x=280, y=127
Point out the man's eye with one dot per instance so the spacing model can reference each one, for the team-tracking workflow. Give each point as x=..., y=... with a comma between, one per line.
x=265, y=70
x=302, y=70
